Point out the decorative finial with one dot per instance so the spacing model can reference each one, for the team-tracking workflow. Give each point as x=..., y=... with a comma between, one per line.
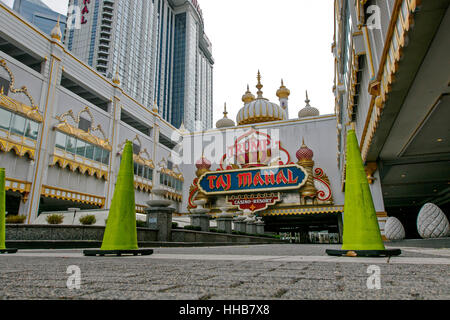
x=248, y=96
x=283, y=92
x=116, y=79
x=155, y=108
x=308, y=111
x=56, y=32
x=259, y=86
x=225, y=110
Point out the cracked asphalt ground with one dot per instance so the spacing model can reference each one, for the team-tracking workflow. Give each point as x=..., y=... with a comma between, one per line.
x=275, y=272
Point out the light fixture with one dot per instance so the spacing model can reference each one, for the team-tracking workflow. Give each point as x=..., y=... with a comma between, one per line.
x=440, y=140
x=403, y=175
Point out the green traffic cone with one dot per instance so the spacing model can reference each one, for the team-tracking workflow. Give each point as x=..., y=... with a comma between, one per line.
x=362, y=236
x=120, y=232
x=120, y=235
x=3, y=214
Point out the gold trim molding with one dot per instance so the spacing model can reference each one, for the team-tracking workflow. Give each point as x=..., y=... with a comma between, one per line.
x=20, y=108
x=175, y=173
x=139, y=158
x=23, y=90
x=400, y=24
x=65, y=127
x=140, y=208
x=20, y=148
x=23, y=187
x=142, y=186
x=63, y=163
x=303, y=211
x=69, y=195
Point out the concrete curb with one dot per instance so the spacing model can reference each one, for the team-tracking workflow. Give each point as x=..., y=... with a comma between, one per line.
x=84, y=244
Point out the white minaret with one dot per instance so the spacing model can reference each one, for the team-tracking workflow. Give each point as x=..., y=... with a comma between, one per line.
x=283, y=94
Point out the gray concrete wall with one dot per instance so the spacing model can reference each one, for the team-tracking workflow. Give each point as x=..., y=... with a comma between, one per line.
x=95, y=233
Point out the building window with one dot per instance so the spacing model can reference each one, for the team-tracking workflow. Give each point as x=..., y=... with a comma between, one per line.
x=18, y=125
x=143, y=171
x=81, y=148
x=171, y=182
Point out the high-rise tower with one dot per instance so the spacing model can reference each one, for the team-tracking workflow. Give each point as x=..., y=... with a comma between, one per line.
x=159, y=49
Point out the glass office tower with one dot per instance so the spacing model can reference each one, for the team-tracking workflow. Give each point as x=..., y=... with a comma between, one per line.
x=39, y=14
x=160, y=50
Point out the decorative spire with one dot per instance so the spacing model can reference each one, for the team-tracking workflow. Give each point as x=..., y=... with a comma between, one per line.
x=248, y=96
x=259, y=86
x=155, y=108
x=56, y=32
x=283, y=92
x=308, y=111
x=304, y=153
x=203, y=164
x=225, y=113
x=116, y=78
x=225, y=122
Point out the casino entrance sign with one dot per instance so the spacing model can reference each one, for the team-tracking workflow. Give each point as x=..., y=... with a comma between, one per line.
x=273, y=179
x=257, y=174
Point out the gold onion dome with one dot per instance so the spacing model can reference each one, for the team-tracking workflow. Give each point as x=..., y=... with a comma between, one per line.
x=308, y=111
x=283, y=92
x=225, y=122
x=248, y=96
x=56, y=32
x=260, y=109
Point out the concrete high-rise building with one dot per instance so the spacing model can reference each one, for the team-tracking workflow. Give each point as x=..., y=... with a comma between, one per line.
x=39, y=14
x=159, y=49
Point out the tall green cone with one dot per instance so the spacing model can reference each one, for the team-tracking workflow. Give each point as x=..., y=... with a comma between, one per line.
x=120, y=232
x=2, y=209
x=361, y=229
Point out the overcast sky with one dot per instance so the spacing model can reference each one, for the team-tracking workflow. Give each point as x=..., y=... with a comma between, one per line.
x=289, y=39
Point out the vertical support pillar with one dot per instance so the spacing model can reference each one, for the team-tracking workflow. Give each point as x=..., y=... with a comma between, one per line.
x=155, y=149
x=43, y=151
x=225, y=224
x=114, y=128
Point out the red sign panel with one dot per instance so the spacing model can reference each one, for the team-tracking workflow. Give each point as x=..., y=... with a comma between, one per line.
x=254, y=202
x=84, y=11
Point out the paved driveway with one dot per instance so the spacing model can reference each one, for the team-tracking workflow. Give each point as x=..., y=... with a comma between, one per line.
x=221, y=273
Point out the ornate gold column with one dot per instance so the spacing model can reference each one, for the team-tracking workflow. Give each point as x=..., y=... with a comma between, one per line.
x=305, y=156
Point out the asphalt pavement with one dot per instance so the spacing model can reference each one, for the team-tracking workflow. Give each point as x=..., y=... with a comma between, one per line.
x=283, y=272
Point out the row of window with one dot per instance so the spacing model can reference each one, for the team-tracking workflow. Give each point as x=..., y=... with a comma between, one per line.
x=18, y=125
x=170, y=182
x=81, y=148
x=143, y=171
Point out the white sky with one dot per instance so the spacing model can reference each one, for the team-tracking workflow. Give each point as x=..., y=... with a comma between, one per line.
x=289, y=39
